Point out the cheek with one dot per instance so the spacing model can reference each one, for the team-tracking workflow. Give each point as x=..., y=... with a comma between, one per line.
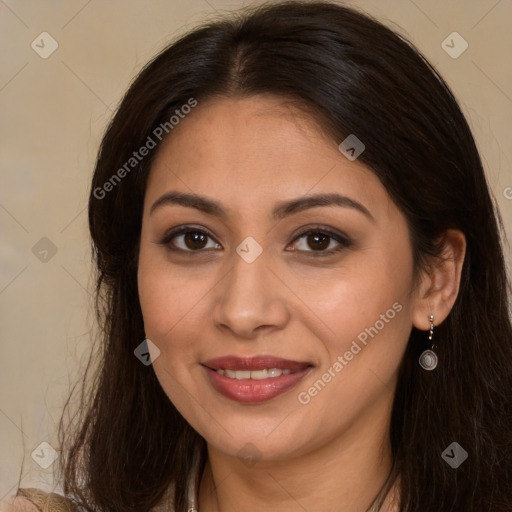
x=367, y=309
x=157, y=300
x=163, y=298
x=172, y=311
x=369, y=321
x=358, y=300
x=173, y=307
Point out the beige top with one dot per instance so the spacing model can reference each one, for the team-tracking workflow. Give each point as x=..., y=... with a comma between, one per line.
x=32, y=500
x=36, y=500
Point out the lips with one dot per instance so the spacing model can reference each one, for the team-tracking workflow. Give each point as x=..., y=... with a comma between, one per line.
x=256, y=379
x=255, y=363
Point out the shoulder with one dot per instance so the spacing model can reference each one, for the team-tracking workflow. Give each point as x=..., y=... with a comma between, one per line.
x=17, y=504
x=36, y=500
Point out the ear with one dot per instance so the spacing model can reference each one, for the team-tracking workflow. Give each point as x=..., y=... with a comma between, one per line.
x=439, y=284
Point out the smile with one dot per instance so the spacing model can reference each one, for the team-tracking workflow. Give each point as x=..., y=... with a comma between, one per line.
x=254, y=375
x=255, y=379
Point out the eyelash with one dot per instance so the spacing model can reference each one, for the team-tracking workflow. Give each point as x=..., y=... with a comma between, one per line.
x=343, y=241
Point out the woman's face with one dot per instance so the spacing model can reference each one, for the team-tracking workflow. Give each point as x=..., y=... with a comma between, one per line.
x=328, y=313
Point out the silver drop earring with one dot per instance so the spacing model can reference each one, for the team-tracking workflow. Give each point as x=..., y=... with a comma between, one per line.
x=428, y=359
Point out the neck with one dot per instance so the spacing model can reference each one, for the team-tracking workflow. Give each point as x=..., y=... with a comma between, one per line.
x=345, y=475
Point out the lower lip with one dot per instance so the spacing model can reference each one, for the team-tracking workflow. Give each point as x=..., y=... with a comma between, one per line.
x=253, y=391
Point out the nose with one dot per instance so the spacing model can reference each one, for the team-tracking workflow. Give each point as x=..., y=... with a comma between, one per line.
x=250, y=300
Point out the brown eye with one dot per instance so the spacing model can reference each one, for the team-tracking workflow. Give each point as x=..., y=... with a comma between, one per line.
x=195, y=240
x=316, y=242
x=188, y=240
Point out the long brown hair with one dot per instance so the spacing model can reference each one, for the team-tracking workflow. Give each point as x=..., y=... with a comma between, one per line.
x=127, y=443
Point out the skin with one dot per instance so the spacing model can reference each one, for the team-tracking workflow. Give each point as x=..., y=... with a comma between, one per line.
x=17, y=504
x=333, y=453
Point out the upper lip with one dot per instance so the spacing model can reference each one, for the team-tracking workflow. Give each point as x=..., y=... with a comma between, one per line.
x=254, y=363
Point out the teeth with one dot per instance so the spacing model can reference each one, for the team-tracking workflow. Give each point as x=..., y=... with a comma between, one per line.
x=259, y=374
x=255, y=374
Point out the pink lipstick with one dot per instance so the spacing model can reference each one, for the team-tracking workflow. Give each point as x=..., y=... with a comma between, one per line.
x=254, y=379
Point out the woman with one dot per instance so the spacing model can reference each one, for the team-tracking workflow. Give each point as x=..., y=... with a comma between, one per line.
x=291, y=222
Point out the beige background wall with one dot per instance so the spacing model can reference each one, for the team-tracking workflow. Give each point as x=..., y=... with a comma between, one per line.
x=53, y=112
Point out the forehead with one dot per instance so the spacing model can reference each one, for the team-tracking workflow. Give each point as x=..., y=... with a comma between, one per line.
x=231, y=148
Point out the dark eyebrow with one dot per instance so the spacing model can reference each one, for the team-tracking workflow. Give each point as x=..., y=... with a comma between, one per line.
x=287, y=208
x=280, y=211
